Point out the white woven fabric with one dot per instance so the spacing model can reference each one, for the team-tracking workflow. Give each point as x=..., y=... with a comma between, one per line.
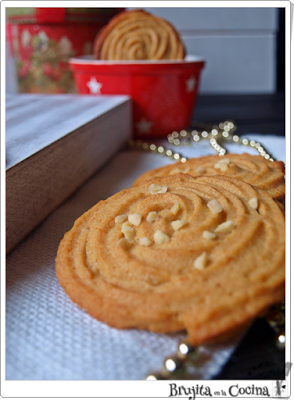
x=50, y=338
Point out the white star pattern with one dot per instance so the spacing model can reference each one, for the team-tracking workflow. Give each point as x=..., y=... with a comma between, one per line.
x=144, y=126
x=94, y=86
x=190, y=84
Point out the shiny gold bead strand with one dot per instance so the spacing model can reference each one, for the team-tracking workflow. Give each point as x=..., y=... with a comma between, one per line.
x=276, y=320
x=246, y=142
x=153, y=148
x=224, y=131
x=175, y=366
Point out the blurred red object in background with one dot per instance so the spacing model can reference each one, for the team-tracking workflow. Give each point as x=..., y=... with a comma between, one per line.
x=163, y=92
x=43, y=39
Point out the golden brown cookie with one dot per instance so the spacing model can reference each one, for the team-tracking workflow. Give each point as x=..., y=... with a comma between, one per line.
x=138, y=35
x=255, y=170
x=203, y=254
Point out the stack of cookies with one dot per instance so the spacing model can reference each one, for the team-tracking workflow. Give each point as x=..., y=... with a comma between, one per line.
x=198, y=246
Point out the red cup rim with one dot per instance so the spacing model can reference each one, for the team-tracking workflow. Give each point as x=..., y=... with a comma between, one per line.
x=86, y=60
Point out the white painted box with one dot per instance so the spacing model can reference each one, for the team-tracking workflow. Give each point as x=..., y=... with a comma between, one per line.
x=53, y=144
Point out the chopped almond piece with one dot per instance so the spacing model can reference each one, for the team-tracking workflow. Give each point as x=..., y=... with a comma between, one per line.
x=160, y=237
x=225, y=227
x=152, y=216
x=214, y=206
x=154, y=188
x=201, y=261
x=135, y=219
x=176, y=225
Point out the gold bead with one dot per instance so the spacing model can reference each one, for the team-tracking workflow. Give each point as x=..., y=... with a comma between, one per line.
x=172, y=367
x=154, y=376
x=187, y=351
x=280, y=339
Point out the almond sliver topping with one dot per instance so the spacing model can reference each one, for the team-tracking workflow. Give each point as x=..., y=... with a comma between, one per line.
x=145, y=241
x=175, y=208
x=128, y=231
x=176, y=225
x=225, y=227
x=209, y=235
x=154, y=188
x=121, y=218
x=200, y=170
x=124, y=243
x=135, y=219
x=152, y=216
x=222, y=166
x=186, y=170
x=174, y=171
x=253, y=203
x=160, y=237
x=214, y=206
x=201, y=261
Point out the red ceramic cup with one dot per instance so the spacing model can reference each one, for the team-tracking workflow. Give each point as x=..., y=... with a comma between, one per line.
x=163, y=92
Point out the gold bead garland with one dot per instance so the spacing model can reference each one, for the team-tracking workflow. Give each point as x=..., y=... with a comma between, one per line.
x=224, y=131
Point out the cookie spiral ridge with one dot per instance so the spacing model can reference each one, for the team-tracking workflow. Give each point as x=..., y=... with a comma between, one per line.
x=255, y=170
x=138, y=35
x=170, y=285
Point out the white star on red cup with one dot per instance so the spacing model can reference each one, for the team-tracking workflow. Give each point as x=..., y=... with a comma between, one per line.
x=190, y=84
x=94, y=86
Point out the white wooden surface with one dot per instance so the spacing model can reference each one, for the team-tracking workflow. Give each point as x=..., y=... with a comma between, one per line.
x=54, y=143
x=239, y=45
x=34, y=122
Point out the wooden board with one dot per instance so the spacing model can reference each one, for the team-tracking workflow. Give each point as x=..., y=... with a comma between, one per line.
x=53, y=144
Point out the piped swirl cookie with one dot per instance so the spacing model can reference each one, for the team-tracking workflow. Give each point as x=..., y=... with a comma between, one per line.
x=255, y=170
x=203, y=254
x=138, y=35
